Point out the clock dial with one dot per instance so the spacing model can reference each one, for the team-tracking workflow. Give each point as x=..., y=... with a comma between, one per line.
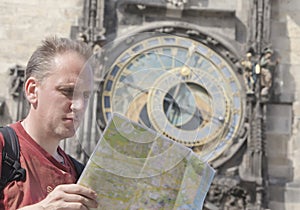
x=173, y=109
x=179, y=87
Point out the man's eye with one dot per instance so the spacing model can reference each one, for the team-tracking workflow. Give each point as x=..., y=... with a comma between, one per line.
x=68, y=92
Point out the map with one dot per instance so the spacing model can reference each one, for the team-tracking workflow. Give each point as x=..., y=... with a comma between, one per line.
x=135, y=168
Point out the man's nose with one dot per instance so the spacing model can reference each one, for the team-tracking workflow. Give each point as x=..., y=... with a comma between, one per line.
x=78, y=103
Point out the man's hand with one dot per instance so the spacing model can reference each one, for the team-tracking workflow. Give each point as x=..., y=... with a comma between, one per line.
x=67, y=197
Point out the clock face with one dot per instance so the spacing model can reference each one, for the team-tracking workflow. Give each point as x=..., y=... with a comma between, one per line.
x=177, y=86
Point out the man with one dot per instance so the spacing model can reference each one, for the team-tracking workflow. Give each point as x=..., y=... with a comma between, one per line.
x=57, y=86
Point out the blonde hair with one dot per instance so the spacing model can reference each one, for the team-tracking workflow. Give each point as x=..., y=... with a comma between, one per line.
x=39, y=64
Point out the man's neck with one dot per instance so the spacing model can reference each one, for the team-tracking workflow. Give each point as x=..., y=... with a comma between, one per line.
x=42, y=138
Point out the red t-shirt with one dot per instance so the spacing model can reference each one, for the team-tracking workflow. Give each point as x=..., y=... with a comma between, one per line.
x=43, y=173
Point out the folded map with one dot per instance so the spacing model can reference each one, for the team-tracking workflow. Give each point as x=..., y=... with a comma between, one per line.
x=136, y=168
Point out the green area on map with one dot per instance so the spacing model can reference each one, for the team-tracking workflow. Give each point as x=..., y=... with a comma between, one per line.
x=135, y=168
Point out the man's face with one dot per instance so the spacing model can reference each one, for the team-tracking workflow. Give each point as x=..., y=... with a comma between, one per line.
x=63, y=95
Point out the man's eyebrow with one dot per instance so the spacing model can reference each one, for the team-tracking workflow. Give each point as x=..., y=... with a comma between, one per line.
x=66, y=85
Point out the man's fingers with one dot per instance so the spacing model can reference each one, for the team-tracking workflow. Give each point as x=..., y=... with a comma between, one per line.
x=77, y=194
x=79, y=199
x=78, y=189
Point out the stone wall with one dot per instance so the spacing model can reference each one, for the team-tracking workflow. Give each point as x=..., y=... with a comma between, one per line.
x=23, y=24
x=284, y=150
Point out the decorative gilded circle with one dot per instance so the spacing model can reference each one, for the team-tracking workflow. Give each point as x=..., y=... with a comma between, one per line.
x=177, y=86
x=173, y=109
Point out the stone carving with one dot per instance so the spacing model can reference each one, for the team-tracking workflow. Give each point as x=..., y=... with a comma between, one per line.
x=227, y=194
x=249, y=73
x=177, y=3
x=259, y=68
x=16, y=80
x=267, y=67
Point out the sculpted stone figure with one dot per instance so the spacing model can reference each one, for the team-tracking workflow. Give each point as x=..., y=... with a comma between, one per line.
x=249, y=72
x=267, y=67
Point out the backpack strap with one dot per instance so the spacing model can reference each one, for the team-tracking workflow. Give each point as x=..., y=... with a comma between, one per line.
x=78, y=166
x=11, y=167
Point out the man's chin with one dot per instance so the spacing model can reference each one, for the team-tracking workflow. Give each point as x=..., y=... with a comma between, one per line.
x=68, y=132
x=68, y=129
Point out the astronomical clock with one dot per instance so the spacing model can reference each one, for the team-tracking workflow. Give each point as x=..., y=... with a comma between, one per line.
x=164, y=65
x=177, y=86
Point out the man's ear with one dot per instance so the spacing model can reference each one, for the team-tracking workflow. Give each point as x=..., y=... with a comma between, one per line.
x=31, y=90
